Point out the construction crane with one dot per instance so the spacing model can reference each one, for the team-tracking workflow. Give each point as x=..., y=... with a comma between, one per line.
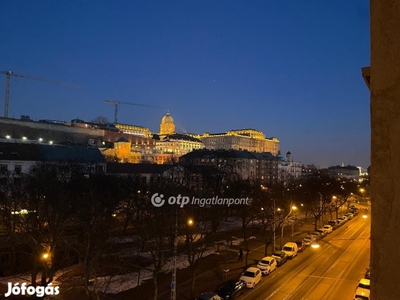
x=8, y=77
x=116, y=103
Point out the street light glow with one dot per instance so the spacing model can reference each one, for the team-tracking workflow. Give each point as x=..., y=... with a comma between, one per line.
x=45, y=256
x=365, y=216
x=315, y=245
x=190, y=222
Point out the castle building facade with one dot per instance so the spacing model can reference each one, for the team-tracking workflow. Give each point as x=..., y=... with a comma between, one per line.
x=243, y=139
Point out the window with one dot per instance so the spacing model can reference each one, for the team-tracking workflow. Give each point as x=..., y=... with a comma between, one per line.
x=17, y=169
x=99, y=169
x=3, y=169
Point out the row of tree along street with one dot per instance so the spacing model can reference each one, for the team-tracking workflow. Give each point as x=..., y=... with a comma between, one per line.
x=54, y=217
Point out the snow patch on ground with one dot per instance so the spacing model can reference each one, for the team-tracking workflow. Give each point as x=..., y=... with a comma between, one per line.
x=120, y=283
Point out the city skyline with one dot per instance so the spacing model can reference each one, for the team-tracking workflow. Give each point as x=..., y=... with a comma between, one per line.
x=290, y=70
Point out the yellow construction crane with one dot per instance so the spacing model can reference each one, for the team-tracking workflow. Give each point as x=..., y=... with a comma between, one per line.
x=8, y=77
x=116, y=103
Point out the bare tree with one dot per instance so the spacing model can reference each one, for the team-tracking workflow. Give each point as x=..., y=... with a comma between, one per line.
x=102, y=120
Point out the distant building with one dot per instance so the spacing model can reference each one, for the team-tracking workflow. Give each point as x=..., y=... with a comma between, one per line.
x=343, y=172
x=256, y=167
x=169, y=145
x=144, y=173
x=18, y=158
x=134, y=130
x=243, y=139
x=309, y=170
x=289, y=169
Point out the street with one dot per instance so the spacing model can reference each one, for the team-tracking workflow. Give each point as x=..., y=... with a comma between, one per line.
x=329, y=272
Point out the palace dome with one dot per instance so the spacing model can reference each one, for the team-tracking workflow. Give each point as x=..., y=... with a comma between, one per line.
x=167, y=125
x=167, y=119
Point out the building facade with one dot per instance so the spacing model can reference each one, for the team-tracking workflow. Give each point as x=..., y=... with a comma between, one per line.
x=289, y=169
x=256, y=167
x=343, y=172
x=169, y=145
x=243, y=139
x=18, y=158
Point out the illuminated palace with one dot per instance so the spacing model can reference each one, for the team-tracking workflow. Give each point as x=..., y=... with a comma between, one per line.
x=130, y=144
x=243, y=139
x=169, y=145
x=139, y=145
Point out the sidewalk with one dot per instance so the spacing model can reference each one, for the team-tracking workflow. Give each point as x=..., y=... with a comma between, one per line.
x=210, y=270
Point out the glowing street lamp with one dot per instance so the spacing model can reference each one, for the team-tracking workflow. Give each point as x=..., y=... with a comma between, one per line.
x=365, y=216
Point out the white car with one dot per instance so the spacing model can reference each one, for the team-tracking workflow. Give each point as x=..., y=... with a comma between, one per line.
x=290, y=249
x=267, y=265
x=252, y=276
x=362, y=294
x=308, y=239
x=328, y=228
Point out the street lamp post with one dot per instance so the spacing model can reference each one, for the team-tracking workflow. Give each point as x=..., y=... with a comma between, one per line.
x=293, y=224
x=273, y=226
x=173, y=282
x=190, y=223
x=336, y=206
x=362, y=191
x=292, y=208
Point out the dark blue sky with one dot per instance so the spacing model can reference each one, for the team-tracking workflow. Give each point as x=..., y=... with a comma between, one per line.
x=288, y=68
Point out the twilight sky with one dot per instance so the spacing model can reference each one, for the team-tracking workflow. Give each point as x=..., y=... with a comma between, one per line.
x=291, y=69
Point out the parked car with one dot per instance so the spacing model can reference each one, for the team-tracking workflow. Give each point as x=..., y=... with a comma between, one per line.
x=349, y=215
x=231, y=289
x=280, y=257
x=267, y=265
x=301, y=246
x=334, y=223
x=317, y=235
x=341, y=221
x=252, y=276
x=364, y=283
x=290, y=249
x=361, y=294
x=322, y=231
x=328, y=228
x=208, y=296
x=308, y=239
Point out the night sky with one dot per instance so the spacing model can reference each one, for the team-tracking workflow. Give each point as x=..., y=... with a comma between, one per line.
x=291, y=69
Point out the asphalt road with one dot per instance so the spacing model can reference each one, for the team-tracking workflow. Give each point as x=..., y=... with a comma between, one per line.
x=329, y=272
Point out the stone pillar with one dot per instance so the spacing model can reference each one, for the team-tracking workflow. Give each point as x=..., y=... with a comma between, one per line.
x=385, y=148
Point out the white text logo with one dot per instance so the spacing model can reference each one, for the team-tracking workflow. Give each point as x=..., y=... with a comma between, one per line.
x=39, y=291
